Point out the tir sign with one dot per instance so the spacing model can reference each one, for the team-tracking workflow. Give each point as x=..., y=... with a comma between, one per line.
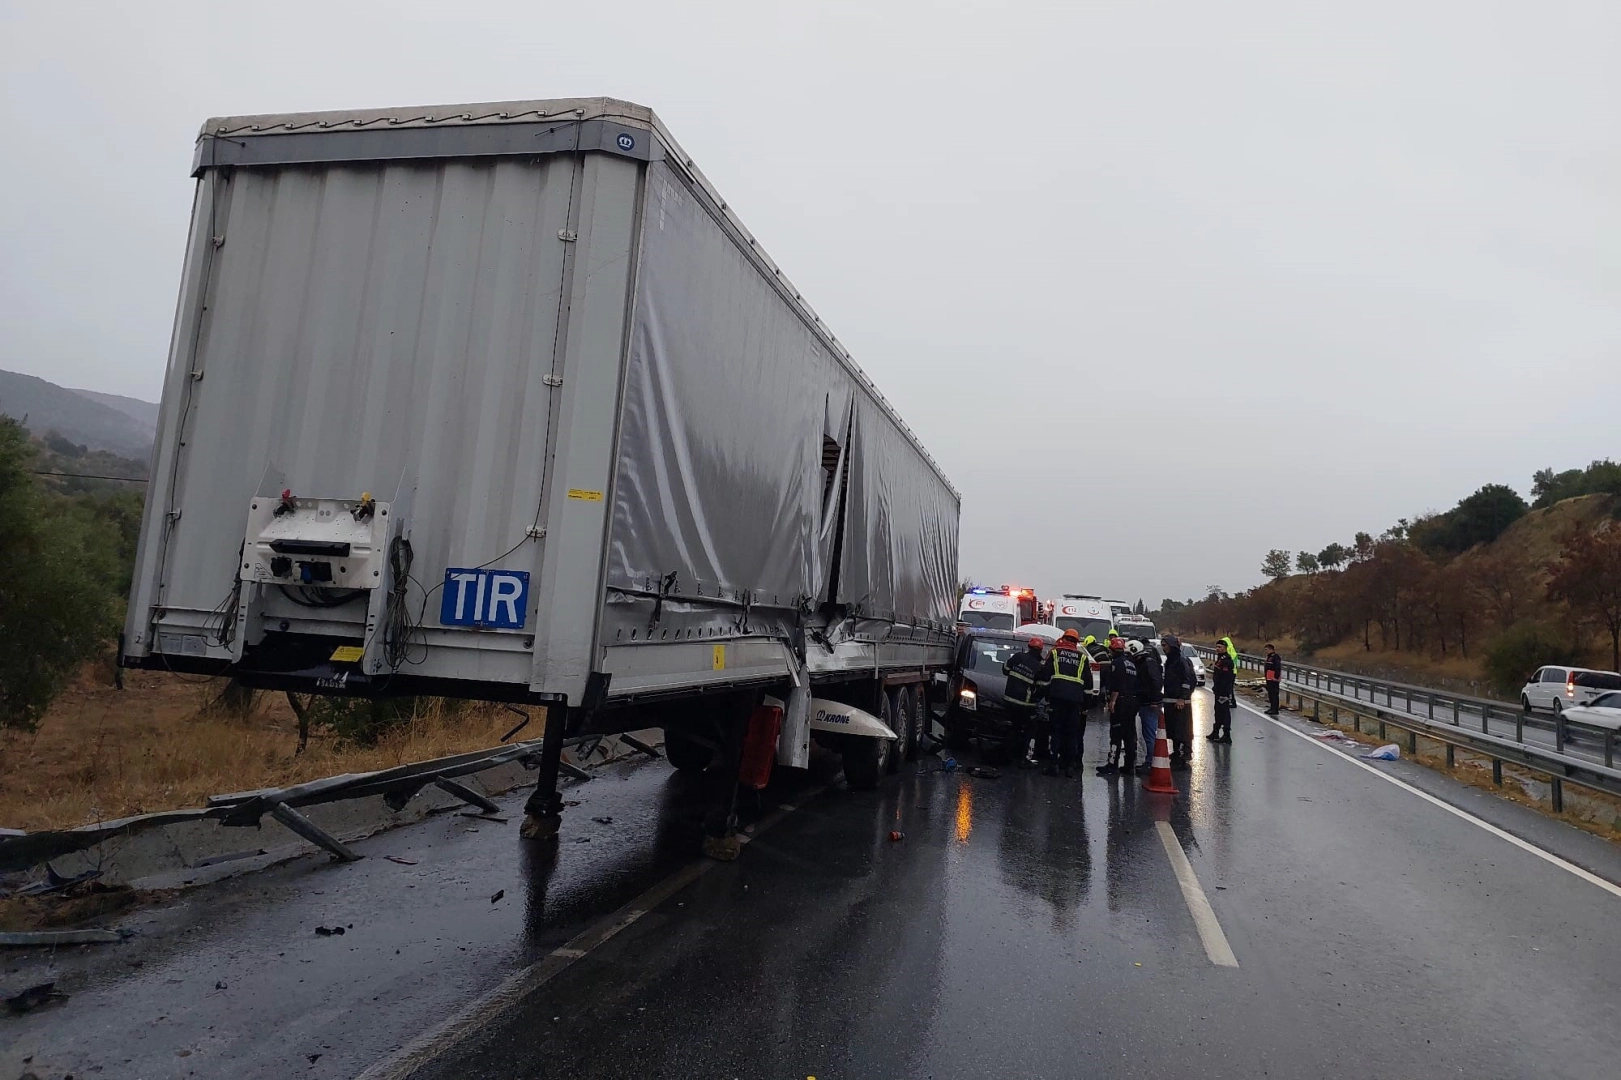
x=498, y=599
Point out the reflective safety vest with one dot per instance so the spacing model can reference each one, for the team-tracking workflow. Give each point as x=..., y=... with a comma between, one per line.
x=1068, y=665
x=1069, y=670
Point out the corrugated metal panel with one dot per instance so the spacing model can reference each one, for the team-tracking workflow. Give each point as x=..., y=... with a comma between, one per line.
x=385, y=328
x=721, y=497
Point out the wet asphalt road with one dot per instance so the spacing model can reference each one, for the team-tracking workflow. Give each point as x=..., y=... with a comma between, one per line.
x=1024, y=926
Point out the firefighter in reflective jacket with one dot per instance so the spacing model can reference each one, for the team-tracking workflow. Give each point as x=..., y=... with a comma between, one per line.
x=1068, y=672
x=1025, y=686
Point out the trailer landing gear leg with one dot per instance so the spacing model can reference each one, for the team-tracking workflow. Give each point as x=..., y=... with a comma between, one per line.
x=543, y=813
x=720, y=822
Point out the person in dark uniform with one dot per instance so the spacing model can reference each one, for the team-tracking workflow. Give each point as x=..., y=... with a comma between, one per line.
x=1150, y=695
x=1224, y=682
x=1274, y=679
x=1180, y=682
x=1120, y=684
x=1068, y=673
x=1024, y=689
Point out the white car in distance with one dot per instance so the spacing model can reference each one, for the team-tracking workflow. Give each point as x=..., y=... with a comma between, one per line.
x=1603, y=712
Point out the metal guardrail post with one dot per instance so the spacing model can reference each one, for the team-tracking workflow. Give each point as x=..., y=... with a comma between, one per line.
x=1432, y=705
x=1519, y=726
x=1497, y=771
x=1485, y=718
x=312, y=832
x=1559, y=732
x=1556, y=792
x=1456, y=710
x=1449, y=756
x=1609, y=749
x=1409, y=700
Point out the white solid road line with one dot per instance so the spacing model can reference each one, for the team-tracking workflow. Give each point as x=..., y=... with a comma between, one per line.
x=1215, y=942
x=1546, y=856
x=509, y=992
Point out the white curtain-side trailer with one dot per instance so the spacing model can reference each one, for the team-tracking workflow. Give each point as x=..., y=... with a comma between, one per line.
x=501, y=401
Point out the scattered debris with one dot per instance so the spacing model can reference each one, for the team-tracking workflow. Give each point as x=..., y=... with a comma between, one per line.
x=603, y=820
x=949, y=765
x=401, y=861
x=1338, y=736
x=328, y=931
x=220, y=985
x=498, y=894
x=896, y=834
x=33, y=997
x=1387, y=752
x=313, y=1058
x=582, y=839
x=55, y=882
x=26, y=938
x=983, y=773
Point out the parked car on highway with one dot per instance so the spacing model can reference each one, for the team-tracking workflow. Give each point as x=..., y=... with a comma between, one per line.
x=1556, y=689
x=1198, y=664
x=1604, y=711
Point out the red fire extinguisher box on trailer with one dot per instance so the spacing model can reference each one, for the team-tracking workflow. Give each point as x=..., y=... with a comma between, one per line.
x=760, y=746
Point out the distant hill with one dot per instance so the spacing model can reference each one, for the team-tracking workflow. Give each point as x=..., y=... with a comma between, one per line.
x=144, y=413
x=123, y=426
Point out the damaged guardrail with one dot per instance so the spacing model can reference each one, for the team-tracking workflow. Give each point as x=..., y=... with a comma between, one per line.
x=1303, y=683
x=397, y=786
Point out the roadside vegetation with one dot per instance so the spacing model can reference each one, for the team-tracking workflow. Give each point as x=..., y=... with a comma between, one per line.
x=1482, y=594
x=79, y=743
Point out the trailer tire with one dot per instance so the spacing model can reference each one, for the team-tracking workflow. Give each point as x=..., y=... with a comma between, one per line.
x=865, y=761
x=918, y=694
x=896, y=714
x=685, y=753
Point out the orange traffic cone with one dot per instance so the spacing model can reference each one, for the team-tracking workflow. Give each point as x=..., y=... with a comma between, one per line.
x=1159, y=773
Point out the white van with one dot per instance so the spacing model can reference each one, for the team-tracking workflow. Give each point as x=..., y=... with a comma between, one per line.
x=1555, y=689
x=1086, y=615
x=984, y=609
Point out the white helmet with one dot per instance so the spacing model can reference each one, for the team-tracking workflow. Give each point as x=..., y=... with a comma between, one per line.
x=1134, y=647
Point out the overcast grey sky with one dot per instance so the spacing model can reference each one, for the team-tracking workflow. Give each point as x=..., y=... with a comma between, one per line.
x=1161, y=284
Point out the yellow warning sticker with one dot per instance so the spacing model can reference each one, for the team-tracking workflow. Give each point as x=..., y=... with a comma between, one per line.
x=588, y=496
x=718, y=660
x=347, y=654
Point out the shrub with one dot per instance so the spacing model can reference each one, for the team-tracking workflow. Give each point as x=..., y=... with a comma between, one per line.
x=56, y=607
x=1518, y=651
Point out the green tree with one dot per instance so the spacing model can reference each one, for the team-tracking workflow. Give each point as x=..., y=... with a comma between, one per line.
x=1362, y=547
x=1599, y=478
x=56, y=606
x=1333, y=556
x=1306, y=563
x=1587, y=578
x=1478, y=519
x=1276, y=564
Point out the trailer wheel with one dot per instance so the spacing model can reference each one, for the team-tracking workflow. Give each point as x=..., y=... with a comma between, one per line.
x=865, y=761
x=685, y=753
x=897, y=715
x=921, y=720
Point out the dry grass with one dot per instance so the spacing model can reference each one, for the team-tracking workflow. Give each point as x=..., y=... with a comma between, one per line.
x=1453, y=673
x=163, y=743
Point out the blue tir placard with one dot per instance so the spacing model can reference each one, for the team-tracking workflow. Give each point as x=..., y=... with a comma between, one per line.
x=498, y=599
